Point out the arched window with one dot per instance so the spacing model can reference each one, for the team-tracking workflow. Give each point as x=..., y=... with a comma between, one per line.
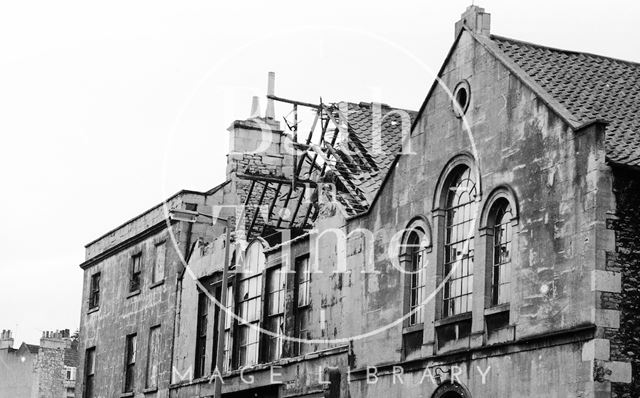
x=460, y=214
x=415, y=255
x=249, y=310
x=415, y=244
x=501, y=259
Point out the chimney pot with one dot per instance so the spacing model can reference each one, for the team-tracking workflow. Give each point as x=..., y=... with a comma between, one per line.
x=255, y=107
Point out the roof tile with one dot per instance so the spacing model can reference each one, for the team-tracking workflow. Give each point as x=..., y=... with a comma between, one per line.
x=589, y=87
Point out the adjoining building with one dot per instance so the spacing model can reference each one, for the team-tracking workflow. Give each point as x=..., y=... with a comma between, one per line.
x=44, y=371
x=484, y=245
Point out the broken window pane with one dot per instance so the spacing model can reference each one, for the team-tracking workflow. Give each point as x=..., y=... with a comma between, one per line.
x=136, y=270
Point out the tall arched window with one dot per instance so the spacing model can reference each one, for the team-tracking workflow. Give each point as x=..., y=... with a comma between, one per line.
x=458, y=254
x=415, y=254
x=249, y=309
x=501, y=264
x=416, y=243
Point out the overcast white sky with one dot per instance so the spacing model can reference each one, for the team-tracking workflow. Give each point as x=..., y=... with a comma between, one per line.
x=90, y=94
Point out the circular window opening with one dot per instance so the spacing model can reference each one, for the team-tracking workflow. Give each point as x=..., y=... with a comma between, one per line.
x=461, y=98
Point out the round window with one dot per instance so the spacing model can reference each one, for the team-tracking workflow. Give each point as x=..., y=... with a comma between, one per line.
x=461, y=98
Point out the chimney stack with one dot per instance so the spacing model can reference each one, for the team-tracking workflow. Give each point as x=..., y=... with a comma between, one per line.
x=53, y=340
x=271, y=83
x=255, y=107
x=476, y=20
x=6, y=340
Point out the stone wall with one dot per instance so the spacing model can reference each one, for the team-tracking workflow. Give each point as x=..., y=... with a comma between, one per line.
x=50, y=366
x=625, y=342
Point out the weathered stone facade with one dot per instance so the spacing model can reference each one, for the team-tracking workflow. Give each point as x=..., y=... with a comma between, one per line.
x=566, y=327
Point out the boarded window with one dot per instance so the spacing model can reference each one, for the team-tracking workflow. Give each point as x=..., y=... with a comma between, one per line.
x=153, y=357
x=158, y=265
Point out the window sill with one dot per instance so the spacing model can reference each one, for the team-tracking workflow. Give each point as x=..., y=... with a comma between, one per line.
x=150, y=390
x=413, y=328
x=156, y=284
x=92, y=310
x=133, y=294
x=127, y=394
x=497, y=309
x=453, y=319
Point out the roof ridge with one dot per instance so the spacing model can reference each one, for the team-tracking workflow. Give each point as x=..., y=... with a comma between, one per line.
x=368, y=105
x=562, y=50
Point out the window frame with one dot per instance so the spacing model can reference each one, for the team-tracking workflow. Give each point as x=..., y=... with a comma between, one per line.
x=94, y=291
x=202, y=325
x=247, y=334
x=89, y=372
x=415, y=277
x=278, y=316
x=502, y=237
x=130, y=359
x=135, y=275
x=229, y=329
x=302, y=310
x=502, y=195
x=452, y=291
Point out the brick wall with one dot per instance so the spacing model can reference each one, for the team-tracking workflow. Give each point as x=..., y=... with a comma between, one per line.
x=625, y=342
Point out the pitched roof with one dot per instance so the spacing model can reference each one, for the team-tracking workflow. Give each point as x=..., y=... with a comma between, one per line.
x=589, y=87
x=374, y=155
x=32, y=348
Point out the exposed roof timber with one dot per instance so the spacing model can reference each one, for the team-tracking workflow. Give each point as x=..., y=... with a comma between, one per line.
x=293, y=102
x=278, y=180
x=256, y=210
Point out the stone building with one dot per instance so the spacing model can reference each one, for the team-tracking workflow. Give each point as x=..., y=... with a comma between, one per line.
x=44, y=371
x=485, y=245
